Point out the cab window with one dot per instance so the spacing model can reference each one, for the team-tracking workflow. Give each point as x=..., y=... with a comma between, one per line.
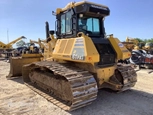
x=89, y=25
x=66, y=24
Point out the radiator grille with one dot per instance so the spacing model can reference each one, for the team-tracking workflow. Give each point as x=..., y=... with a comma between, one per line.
x=62, y=46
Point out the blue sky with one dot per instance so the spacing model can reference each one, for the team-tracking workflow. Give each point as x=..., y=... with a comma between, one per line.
x=133, y=18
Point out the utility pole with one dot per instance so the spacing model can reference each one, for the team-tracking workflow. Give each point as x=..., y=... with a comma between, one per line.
x=7, y=35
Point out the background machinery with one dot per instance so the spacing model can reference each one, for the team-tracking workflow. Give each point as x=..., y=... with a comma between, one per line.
x=46, y=46
x=41, y=45
x=81, y=61
x=9, y=45
x=30, y=48
x=149, y=47
x=130, y=43
x=7, y=49
x=27, y=48
x=141, y=58
x=133, y=44
x=142, y=54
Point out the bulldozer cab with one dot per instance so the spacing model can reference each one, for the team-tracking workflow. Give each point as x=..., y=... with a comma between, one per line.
x=83, y=17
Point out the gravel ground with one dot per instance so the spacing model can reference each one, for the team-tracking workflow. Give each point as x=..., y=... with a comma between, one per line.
x=18, y=99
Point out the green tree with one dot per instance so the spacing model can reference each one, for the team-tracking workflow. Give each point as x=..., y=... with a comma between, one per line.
x=150, y=40
x=144, y=40
x=139, y=39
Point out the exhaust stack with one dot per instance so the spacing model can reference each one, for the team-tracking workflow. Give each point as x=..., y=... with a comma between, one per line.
x=47, y=30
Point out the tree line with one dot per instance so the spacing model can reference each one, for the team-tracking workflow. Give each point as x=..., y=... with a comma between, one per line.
x=144, y=40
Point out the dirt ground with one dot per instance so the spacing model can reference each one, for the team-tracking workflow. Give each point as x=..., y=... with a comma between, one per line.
x=18, y=99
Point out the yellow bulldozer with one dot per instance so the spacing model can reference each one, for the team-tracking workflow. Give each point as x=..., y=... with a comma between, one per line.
x=82, y=59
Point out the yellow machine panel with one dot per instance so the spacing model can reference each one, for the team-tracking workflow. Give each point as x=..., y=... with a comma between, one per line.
x=79, y=49
x=103, y=74
x=121, y=50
